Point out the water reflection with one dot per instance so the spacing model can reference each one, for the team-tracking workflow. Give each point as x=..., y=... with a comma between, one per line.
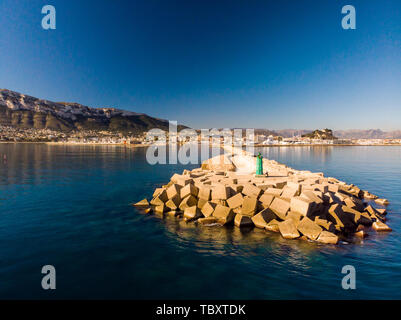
x=294, y=154
x=217, y=240
x=34, y=163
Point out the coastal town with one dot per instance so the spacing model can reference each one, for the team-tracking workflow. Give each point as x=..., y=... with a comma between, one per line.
x=14, y=134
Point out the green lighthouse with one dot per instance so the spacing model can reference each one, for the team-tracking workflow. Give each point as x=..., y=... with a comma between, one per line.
x=259, y=165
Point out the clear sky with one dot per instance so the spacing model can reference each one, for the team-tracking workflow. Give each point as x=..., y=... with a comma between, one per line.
x=262, y=64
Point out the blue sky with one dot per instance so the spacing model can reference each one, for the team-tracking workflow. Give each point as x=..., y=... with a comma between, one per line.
x=262, y=64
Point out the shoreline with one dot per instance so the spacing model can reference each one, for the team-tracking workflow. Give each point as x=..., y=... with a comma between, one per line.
x=255, y=146
x=328, y=145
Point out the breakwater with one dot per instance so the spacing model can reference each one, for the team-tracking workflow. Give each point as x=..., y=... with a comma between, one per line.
x=298, y=204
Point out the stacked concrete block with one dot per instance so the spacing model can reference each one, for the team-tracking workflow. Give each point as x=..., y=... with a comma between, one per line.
x=297, y=204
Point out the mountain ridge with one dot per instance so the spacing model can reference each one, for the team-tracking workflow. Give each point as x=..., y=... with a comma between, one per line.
x=368, y=134
x=340, y=134
x=24, y=111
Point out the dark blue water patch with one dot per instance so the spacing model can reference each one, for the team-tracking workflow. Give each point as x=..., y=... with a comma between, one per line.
x=68, y=206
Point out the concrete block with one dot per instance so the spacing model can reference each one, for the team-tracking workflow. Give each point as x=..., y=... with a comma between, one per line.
x=280, y=184
x=175, y=177
x=293, y=185
x=189, y=189
x=327, y=237
x=161, y=194
x=280, y=207
x=207, y=220
x=288, y=230
x=330, y=198
x=220, y=192
x=176, y=200
x=201, y=203
x=174, y=213
x=171, y=205
x=327, y=225
x=348, y=218
x=236, y=187
x=230, y=181
x=382, y=211
x=309, y=228
x=156, y=201
x=142, y=203
x=189, y=201
x=302, y=205
x=294, y=216
x=160, y=208
x=341, y=196
x=251, y=190
x=266, y=200
x=205, y=193
x=358, y=217
x=321, y=187
x=274, y=191
x=192, y=213
x=263, y=187
x=332, y=216
x=184, y=181
x=261, y=219
x=380, y=226
x=208, y=208
x=195, y=175
x=383, y=202
x=333, y=187
x=354, y=203
x=242, y=221
x=223, y=214
x=249, y=206
x=289, y=193
x=312, y=196
x=374, y=213
x=173, y=190
x=157, y=191
x=235, y=201
x=222, y=202
x=273, y=226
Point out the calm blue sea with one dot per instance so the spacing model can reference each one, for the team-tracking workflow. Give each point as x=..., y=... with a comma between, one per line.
x=68, y=206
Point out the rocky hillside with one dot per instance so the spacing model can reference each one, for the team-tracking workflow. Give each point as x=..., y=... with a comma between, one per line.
x=325, y=134
x=368, y=134
x=22, y=111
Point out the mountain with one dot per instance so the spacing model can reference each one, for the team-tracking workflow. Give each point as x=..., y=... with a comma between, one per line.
x=325, y=134
x=23, y=111
x=368, y=134
x=344, y=134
